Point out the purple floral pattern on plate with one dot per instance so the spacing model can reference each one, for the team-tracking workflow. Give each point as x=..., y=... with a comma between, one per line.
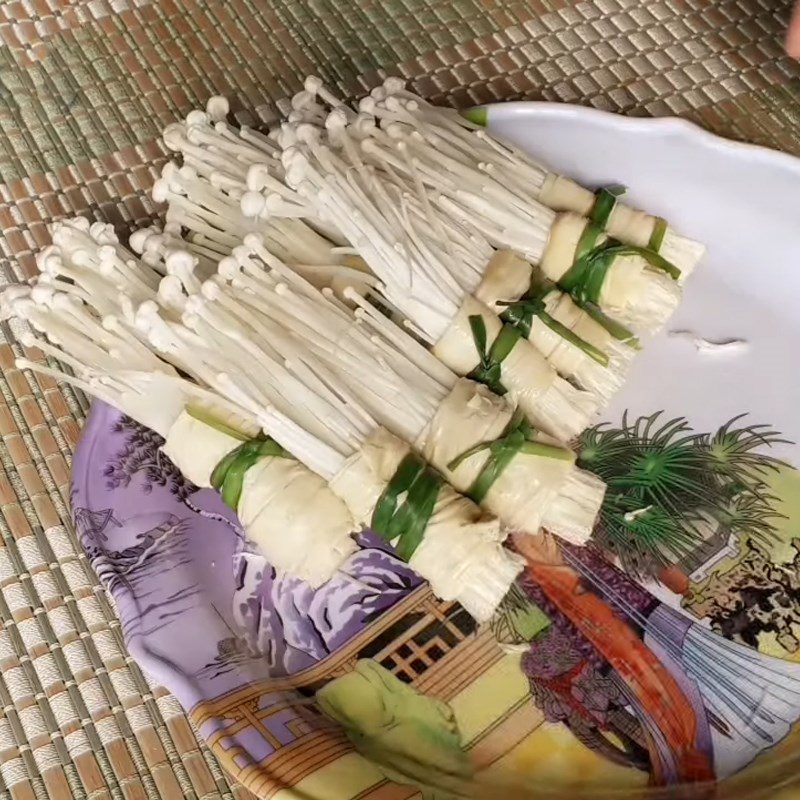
x=201, y=610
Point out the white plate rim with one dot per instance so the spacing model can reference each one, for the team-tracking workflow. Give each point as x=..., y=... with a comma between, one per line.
x=669, y=125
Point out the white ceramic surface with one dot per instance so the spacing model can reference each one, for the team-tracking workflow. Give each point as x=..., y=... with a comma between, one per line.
x=743, y=202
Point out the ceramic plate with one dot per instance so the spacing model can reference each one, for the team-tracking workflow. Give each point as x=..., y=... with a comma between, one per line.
x=372, y=688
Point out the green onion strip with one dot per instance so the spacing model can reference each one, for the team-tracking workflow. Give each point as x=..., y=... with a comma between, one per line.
x=616, y=330
x=515, y=439
x=657, y=236
x=489, y=369
x=584, y=279
x=605, y=200
x=228, y=475
x=201, y=415
x=520, y=314
x=406, y=505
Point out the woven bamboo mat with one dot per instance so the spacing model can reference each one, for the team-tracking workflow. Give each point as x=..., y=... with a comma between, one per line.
x=85, y=89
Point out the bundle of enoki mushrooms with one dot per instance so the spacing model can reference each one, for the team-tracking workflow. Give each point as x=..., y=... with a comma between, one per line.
x=205, y=196
x=590, y=350
x=469, y=175
x=554, y=404
x=102, y=324
x=426, y=261
x=485, y=448
x=470, y=154
x=245, y=409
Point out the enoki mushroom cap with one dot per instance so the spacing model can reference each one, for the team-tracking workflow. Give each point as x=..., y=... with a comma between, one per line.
x=295, y=164
x=81, y=258
x=77, y=223
x=211, y=289
x=139, y=238
x=219, y=180
x=303, y=100
x=103, y=233
x=257, y=177
x=190, y=319
x=180, y=263
x=243, y=256
x=111, y=323
x=63, y=235
x=229, y=268
x=370, y=146
x=42, y=295
x=197, y=117
x=307, y=133
x=286, y=136
x=336, y=121
x=392, y=103
x=66, y=302
x=106, y=254
x=48, y=259
x=393, y=84
x=396, y=130
x=218, y=107
x=161, y=191
x=252, y=204
x=170, y=289
x=169, y=171
x=312, y=84
x=363, y=125
x=186, y=173
x=194, y=134
x=155, y=246
x=9, y=298
x=24, y=308
x=146, y=314
x=148, y=321
x=251, y=241
x=174, y=136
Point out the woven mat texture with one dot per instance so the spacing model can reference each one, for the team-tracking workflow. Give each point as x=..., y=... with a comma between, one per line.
x=85, y=89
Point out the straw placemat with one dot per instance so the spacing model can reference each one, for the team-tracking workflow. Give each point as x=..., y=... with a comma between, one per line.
x=85, y=89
